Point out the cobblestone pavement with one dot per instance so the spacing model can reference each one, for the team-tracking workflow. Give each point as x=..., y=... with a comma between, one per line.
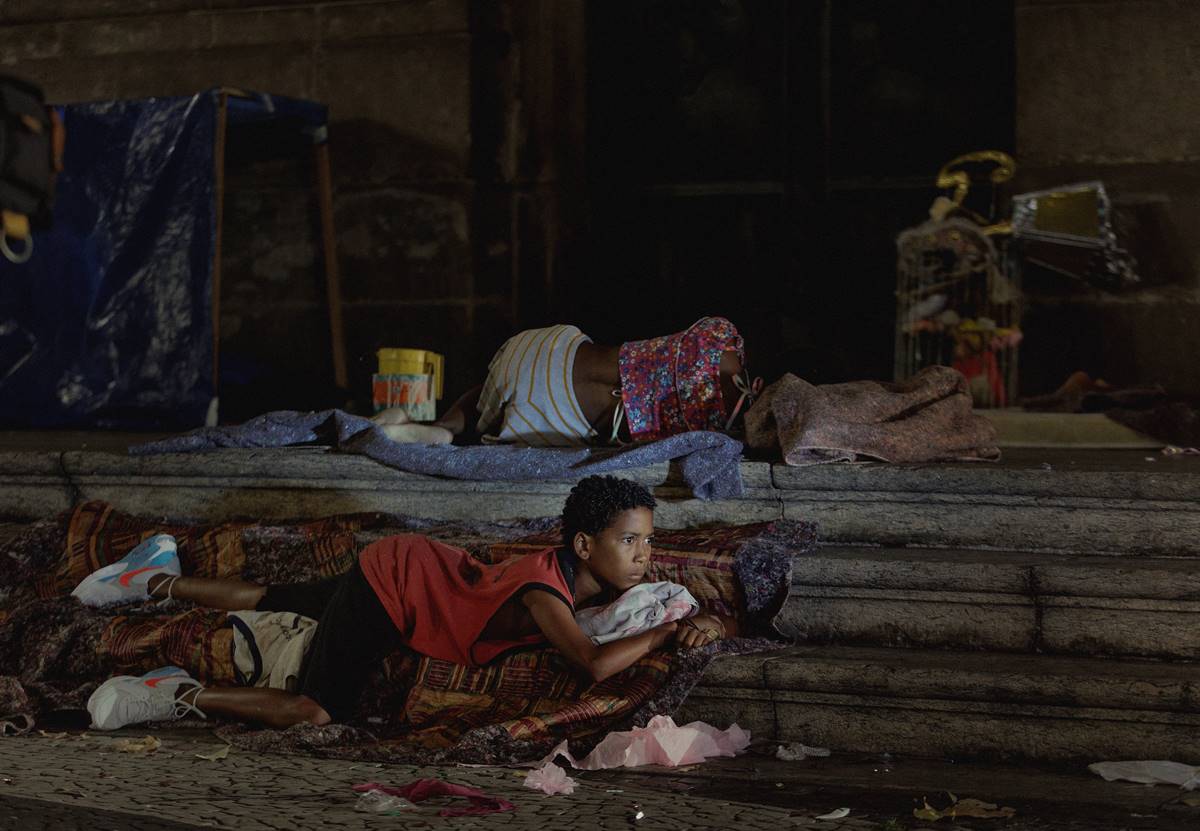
x=82, y=781
x=75, y=780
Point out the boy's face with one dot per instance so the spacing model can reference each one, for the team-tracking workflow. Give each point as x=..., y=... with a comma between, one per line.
x=620, y=553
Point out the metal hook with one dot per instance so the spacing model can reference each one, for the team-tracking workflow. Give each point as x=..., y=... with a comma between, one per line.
x=13, y=256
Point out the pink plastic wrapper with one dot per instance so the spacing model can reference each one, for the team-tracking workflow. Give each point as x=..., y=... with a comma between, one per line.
x=422, y=789
x=660, y=742
x=550, y=779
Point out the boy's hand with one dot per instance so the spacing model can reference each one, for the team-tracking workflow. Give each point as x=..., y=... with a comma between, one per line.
x=698, y=631
x=665, y=633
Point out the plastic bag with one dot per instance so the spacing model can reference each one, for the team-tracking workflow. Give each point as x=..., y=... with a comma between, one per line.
x=550, y=779
x=378, y=802
x=1150, y=773
x=660, y=742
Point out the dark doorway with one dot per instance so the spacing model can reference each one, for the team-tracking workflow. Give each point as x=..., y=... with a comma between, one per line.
x=756, y=158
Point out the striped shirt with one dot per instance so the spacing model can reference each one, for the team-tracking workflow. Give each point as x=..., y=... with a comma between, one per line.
x=529, y=394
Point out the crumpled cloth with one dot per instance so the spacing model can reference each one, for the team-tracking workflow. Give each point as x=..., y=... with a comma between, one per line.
x=643, y=607
x=15, y=717
x=708, y=461
x=550, y=779
x=423, y=789
x=927, y=418
x=660, y=742
x=1150, y=773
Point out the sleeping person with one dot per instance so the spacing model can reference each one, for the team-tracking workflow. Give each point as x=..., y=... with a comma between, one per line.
x=553, y=387
x=407, y=591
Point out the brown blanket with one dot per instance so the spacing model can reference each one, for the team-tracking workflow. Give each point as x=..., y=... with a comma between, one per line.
x=927, y=418
x=54, y=651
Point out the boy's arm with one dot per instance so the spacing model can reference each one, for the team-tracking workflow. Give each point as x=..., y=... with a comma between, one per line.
x=557, y=623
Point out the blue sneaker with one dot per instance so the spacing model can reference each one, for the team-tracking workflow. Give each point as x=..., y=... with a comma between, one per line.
x=153, y=697
x=125, y=580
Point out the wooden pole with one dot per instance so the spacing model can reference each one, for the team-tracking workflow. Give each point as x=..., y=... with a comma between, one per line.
x=219, y=197
x=333, y=279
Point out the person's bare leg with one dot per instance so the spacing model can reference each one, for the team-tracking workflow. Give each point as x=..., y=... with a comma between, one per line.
x=214, y=592
x=261, y=705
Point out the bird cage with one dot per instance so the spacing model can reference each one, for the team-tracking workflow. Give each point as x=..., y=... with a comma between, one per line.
x=958, y=300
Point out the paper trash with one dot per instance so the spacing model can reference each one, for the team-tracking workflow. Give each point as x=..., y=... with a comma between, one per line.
x=1150, y=773
x=837, y=813
x=660, y=742
x=550, y=779
x=147, y=744
x=798, y=752
x=975, y=808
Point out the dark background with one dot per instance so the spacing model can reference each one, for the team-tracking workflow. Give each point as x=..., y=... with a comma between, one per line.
x=629, y=166
x=756, y=160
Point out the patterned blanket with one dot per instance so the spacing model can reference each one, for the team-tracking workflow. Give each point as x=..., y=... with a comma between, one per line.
x=53, y=651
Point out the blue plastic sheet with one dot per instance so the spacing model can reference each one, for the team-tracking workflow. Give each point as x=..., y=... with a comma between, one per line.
x=110, y=323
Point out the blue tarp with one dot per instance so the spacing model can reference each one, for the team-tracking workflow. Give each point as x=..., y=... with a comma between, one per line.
x=110, y=323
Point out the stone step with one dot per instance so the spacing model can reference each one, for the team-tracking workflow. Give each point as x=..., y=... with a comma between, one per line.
x=996, y=600
x=957, y=704
x=1112, y=502
x=1129, y=502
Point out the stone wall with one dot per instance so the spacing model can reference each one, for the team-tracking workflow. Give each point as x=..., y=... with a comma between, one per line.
x=447, y=151
x=460, y=143
x=1107, y=90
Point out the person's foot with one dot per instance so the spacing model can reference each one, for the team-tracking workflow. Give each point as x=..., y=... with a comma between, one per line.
x=153, y=697
x=392, y=415
x=126, y=580
x=398, y=426
x=414, y=433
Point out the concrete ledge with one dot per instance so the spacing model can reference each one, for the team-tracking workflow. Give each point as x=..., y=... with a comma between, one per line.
x=958, y=704
x=1109, y=503
x=1118, y=502
x=32, y=484
x=1017, y=428
x=1038, y=522
x=954, y=599
x=1105, y=474
x=308, y=482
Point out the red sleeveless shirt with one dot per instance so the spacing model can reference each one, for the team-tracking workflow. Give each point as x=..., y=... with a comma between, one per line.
x=441, y=598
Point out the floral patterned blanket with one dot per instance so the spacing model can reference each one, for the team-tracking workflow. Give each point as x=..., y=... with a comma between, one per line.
x=54, y=651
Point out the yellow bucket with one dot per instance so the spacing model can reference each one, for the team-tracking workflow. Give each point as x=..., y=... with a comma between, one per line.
x=413, y=362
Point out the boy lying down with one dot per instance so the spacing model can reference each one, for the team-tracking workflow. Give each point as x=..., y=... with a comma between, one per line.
x=408, y=591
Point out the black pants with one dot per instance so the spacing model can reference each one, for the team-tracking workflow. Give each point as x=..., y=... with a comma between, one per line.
x=354, y=633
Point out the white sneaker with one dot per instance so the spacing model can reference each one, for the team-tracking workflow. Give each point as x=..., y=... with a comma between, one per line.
x=153, y=697
x=125, y=580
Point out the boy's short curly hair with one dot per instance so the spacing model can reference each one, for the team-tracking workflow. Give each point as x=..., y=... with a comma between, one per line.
x=594, y=503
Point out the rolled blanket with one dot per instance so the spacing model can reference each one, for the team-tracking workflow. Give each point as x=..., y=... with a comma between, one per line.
x=927, y=418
